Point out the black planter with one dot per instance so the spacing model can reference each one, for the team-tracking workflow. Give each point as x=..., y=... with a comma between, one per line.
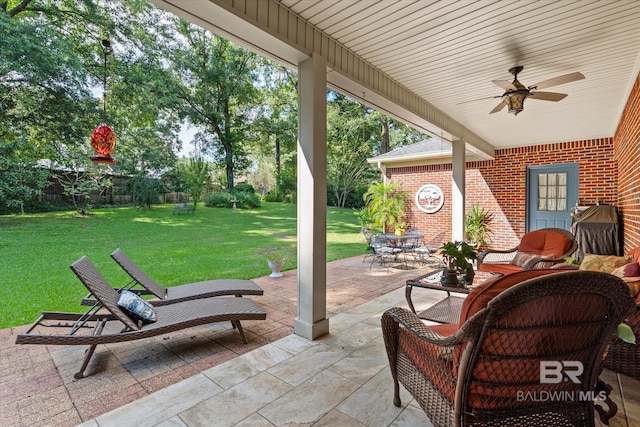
x=467, y=277
x=450, y=278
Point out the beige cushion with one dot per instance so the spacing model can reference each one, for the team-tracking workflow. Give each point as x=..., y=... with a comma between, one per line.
x=521, y=257
x=603, y=263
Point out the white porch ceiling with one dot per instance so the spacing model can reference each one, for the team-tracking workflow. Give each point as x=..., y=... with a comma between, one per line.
x=447, y=52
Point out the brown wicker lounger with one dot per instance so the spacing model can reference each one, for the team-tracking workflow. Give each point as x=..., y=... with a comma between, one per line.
x=189, y=291
x=171, y=317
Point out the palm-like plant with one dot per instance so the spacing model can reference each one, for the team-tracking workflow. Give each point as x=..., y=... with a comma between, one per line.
x=386, y=203
x=477, y=225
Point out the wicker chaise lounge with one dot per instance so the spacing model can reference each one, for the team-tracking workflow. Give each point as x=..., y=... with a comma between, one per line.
x=96, y=326
x=189, y=291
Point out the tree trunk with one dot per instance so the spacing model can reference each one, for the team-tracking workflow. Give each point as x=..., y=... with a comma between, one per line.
x=277, y=155
x=384, y=136
x=228, y=163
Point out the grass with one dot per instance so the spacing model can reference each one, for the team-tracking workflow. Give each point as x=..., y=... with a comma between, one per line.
x=36, y=250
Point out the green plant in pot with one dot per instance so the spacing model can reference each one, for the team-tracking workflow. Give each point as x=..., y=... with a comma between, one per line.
x=477, y=226
x=458, y=259
x=386, y=204
x=276, y=257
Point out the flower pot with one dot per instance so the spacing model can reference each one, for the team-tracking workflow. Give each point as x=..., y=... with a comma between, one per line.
x=467, y=277
x=275, y=265
x=449, y=278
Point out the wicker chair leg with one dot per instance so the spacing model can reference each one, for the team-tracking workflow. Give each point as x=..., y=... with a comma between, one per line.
x=605, y=416
x=237, y=324
x=88, y=353
x=396, y=394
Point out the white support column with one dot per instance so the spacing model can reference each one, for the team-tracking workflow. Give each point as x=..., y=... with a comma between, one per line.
x=312, y=321
x=458, y=170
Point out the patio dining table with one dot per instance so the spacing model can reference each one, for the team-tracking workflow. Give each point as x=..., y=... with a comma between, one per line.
x=407, y=243
x=404, y=240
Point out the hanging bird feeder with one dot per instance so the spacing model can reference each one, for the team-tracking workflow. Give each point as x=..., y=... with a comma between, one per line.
x=103, y=138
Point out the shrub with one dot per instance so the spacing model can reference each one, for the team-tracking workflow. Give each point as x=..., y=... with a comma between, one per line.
x=244, y=188
x=224, y=199
x=272, y=198
x=220, y=199
x=364, y=217
x=247, y=200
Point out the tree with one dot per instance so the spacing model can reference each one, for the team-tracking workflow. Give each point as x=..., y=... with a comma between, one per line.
x=351, y=136
x=146, y=191
x=41, y=94
x=276, y=128
x=197, y=178
x=263, y=178
x=48, y=99
x=20, y=181
x=214, y=87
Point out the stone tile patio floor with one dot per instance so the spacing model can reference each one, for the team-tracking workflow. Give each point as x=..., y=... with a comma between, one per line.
x=205, y=376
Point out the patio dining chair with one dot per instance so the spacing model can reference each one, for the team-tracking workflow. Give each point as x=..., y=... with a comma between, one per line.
x=530, y=356
x=427, y=250
x=381, y=250
x=408, y=244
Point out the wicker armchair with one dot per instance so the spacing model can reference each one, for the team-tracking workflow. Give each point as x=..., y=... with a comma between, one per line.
x=538, y=249
x=487, y=372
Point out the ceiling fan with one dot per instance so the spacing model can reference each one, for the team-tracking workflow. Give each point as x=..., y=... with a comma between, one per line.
x=516, y=92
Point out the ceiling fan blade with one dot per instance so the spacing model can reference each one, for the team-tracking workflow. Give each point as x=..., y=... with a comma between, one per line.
x=498, y=107
x=548, y=96
x=560, y=80
x=479, y=99
x=505, y=84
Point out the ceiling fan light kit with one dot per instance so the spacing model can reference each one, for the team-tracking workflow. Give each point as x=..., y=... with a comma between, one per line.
x=516, y=93
x=515, y=102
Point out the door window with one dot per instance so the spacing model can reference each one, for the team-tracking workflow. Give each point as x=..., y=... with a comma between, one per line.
x=552, y=192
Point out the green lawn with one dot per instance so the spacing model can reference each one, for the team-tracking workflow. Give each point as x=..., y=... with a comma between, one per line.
x=36, y=250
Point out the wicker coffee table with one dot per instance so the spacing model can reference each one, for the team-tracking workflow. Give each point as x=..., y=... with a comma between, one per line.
x=447, y=310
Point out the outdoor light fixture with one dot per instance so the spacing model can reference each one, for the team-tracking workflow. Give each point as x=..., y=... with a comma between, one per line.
x=103, y=138
x=515, y=101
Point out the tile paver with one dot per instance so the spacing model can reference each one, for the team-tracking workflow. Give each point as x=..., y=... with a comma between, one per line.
x=37, y=387
x=205, y=376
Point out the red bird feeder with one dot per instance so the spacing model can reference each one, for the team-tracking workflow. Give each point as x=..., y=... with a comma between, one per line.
x=103, y=141
x=103, y=138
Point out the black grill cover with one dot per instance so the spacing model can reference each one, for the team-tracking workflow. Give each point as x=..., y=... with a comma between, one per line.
x=597, y=230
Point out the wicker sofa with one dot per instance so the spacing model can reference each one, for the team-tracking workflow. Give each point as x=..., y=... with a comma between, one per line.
x=622, y=357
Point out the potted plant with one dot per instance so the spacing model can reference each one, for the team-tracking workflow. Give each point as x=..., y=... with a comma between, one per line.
x=276, y=258
x=456, y=257
x=477, y=226
x=400, y=228
x=386, y=204
x=275, y=264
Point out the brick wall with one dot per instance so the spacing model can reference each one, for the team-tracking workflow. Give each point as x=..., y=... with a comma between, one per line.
x=627, y=152
x=499, y=186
